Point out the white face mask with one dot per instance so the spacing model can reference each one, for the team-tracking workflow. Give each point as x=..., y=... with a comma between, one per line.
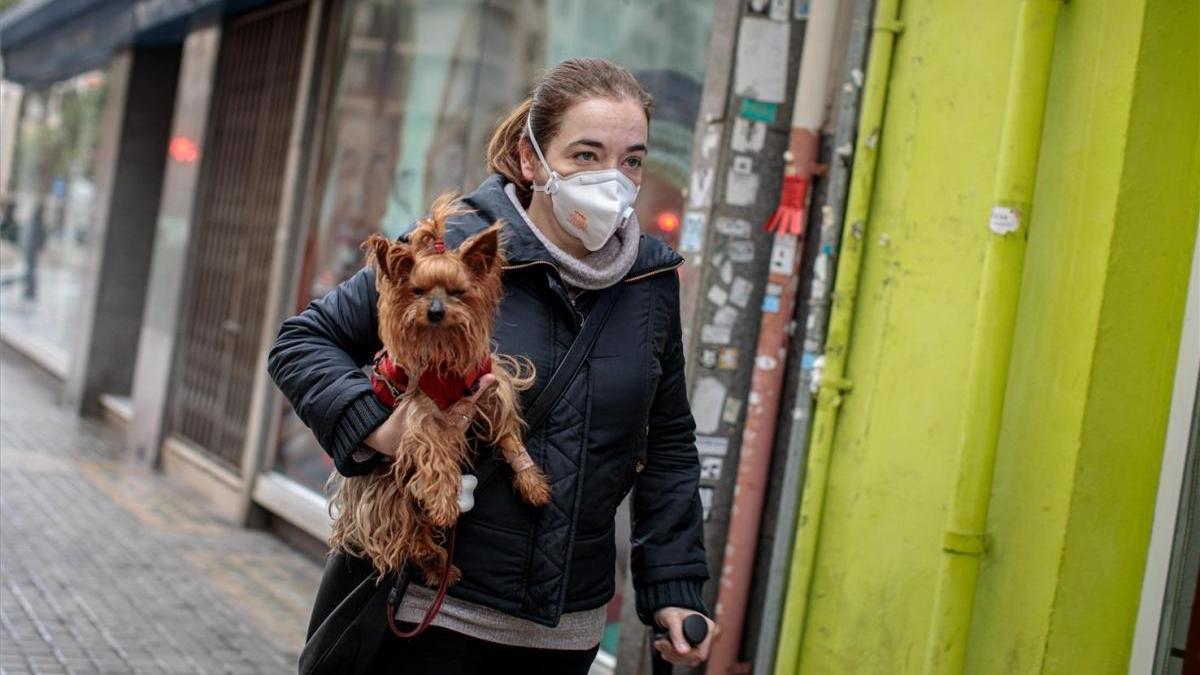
x=589, y=205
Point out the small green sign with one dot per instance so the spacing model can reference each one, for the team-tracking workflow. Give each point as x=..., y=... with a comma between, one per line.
x=759, y=111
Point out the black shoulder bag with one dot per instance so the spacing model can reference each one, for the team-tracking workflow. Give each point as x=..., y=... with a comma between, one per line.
x=346, y=641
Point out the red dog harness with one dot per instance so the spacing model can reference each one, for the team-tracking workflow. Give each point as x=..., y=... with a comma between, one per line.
x=446, y=389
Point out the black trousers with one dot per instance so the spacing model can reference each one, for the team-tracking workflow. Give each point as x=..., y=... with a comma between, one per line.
x=437, y=650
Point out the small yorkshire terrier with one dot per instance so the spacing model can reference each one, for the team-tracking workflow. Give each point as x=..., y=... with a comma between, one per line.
x=436, y=308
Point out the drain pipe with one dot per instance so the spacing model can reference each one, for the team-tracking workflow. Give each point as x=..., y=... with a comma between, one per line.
x=762, y=411
x=832, y=386
x=810, y=334
x=964, y=541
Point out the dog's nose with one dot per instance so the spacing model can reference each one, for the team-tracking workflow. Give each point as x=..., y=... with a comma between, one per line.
x=436, y=311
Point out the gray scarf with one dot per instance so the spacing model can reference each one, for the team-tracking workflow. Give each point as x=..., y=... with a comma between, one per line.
x=598, y=269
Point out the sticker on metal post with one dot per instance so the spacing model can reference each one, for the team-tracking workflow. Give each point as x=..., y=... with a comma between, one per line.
x=732, y=227
x=692, y=237
x=783, y=254
x=715, y=446
x=758, y=111
x=727, y=359
x=716, y=335
x=741, y=251
x=710, y=468
x=733, y=408
x=706, y=500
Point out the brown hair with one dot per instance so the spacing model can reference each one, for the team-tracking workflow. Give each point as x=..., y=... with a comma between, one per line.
x=564, y=85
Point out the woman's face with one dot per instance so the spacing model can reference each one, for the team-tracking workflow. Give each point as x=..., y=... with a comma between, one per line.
x=595, y=134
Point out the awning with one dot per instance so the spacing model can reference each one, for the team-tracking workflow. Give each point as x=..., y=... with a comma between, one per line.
x=44, y=41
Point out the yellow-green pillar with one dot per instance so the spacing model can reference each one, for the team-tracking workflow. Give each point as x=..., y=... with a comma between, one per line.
x=1105, y=280
x=1113, y=221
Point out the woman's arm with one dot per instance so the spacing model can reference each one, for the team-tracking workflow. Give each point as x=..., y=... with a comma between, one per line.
x=317, y=361
x=668, y=561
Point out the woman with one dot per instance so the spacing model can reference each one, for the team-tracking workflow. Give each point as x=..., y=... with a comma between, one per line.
x=566, y=166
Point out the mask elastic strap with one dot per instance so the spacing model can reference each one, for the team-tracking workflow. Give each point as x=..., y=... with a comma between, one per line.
x=541, y=157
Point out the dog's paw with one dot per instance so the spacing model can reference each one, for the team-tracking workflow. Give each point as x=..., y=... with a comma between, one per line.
x=433, y=578
x=443, y=512
x=532, y=486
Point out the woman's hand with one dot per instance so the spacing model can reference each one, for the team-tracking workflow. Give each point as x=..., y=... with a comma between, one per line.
x=386, y=437
x=462, y=414
x=677, y=650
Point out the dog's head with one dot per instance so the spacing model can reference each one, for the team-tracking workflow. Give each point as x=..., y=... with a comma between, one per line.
x=436, y=304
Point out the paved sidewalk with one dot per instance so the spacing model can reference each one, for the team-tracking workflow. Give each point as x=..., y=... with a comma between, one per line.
x=108, y=567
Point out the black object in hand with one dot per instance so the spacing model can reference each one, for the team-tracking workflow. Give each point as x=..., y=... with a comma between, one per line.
x=695, y=630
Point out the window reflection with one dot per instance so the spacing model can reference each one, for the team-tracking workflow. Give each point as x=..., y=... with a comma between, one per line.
x=45, y=229
x=418, y=86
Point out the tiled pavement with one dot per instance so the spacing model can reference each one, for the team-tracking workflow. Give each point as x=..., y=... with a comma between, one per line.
x=108, y=567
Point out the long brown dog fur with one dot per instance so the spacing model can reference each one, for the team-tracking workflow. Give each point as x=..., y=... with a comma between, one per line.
x=398, y=512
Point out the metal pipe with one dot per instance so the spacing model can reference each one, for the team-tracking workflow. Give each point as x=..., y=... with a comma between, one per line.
x=832, y=385
x=964, y=542
x=810, y=333
x=754, y=458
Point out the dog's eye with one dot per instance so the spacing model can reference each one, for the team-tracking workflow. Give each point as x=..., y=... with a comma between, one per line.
x=418, y=291
x=457, y=293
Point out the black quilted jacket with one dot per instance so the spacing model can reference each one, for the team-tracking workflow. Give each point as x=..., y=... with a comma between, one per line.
x=624, y=424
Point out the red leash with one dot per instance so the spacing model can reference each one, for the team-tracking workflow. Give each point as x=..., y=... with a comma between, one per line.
x=430, y=613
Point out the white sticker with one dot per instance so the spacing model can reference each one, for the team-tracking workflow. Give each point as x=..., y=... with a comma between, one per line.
x=708, y=400
x=779, y=10
x=1004, y=220
x=706, y=500
x=716, y=335
x=748, y=135
x=727, y=272
x=733, y=408
x=710, y=467
x=774, y=289
x=725, y=316
x=741, y=189
x=783, y=254
x=741, y=251
x=732, y=227
x=715, y=446
x=760, y=71
x=700, y=190
x=765, y=362
x=739, y=293
x=712, y=139
x=718, y=296
x=691, y=239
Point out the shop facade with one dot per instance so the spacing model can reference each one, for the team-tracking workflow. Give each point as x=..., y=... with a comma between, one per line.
x=295, y=130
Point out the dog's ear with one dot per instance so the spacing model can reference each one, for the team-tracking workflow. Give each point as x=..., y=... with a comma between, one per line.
x=481, y=253
x=391, y=259
x=399, y=262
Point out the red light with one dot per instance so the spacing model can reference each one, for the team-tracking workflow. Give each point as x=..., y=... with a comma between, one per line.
x=183, y=150
x=668, y=221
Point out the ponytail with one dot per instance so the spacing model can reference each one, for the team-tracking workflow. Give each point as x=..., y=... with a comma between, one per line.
x=504, y=149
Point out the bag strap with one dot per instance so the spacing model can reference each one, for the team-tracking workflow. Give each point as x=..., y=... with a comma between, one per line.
x=577, y=353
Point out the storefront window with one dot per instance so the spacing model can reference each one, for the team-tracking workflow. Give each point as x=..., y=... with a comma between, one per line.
x=420, y=84
x=45, y=228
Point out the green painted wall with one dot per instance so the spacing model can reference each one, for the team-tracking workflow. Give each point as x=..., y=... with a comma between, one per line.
x=1114, y=218
x=1097, y=334
x=894, y=448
